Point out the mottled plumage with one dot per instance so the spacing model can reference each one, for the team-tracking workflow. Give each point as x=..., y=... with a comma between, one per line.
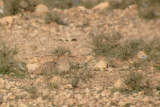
x=54, y=66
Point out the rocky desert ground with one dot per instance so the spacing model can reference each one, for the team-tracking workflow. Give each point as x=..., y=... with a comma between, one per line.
x=60, y=67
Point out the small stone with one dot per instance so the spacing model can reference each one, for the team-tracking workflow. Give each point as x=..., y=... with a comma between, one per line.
x=12, y=97
x=91, y=104
x=106, y=93
x=146, y=99
x=133, y=7
x=39, y=99
x=108, y=103
x=82, y=101
x=157, y=93
x=70, y=101
x=5, y=98
x=89, y=58
x=119, y=84
x=82, y=9
x=141, y=93
x=97, y=96
x=5, y=104
x=87, y=91
x=22, y=105
x=31, y=66
x=101, y=65
x=142, y=55
x=40, y=79
x=8, y=20
x=8, y=86
x=110, y=88
x=117, y=94
x=41, y=9
x=2, y=81
x=78, y=96
x=122, y=103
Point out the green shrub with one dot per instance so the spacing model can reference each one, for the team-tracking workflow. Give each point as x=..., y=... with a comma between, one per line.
x=90, y=3
x=130, y=48
x=111, y=47
x=30, y=5
x=136, y=81
x=32, y=91
x=78, y=73
x=133, y=80
x=11, y=7
x=52, y=17
x=7, y=62
x=62, y=4
x=74, y=80
x=107, y=45
x=121, y=4
x=65, y=4
x=153, y=50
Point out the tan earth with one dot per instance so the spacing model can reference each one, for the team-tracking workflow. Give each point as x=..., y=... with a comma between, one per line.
x=35, y=42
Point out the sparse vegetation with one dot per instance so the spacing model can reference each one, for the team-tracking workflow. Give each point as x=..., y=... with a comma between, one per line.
x=147, y=9
x=111, y=47
x=78, y=73
x=90, y=3
x=74, y=80
x=61, y=51
x=62, y=4
x=52, y=17
x=7, y=62
x=136, y=82
x=65, y=4
x=29, y=5
x=32, y=91
x=121, y=42
x=52, y=86
x=106, y=45
x=13, y=7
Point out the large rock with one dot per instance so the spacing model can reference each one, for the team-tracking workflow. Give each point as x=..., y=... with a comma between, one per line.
x=100, y=7
x=41, y=9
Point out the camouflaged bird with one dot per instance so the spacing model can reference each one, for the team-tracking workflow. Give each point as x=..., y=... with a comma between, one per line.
x=60, y=66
